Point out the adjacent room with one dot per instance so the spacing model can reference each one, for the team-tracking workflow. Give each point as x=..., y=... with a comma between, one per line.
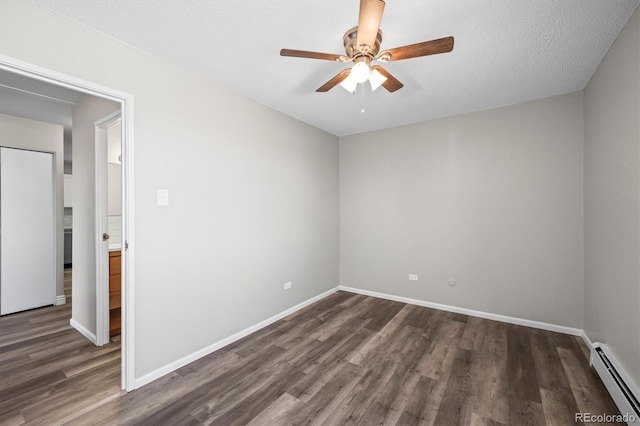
x=326, y=212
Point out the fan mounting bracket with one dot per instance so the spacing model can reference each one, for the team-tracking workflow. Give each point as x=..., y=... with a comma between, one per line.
x=353, y=50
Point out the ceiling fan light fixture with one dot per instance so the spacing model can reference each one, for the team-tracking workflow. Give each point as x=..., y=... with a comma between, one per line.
x=349, y=84
x=376, y=79
x=362, y=45
x=360, y=72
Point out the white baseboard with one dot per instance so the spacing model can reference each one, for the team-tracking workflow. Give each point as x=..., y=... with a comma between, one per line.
x=166, y=369
x=480, y=314
x=83, y=330
x=61, y=300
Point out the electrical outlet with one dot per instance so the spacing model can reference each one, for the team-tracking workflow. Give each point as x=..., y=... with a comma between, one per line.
x=413, y=277
x=287, y=286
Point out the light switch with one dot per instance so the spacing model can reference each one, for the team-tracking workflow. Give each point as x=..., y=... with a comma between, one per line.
x=163, y=197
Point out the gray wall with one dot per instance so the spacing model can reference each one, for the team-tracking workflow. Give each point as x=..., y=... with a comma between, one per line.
x=39, y=136
x=114, y=170
x=253, y=193
x=86, y=112
x=492, y=199
x=114, y=186
x=612, y=200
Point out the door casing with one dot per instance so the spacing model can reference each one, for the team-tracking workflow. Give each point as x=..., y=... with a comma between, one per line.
x=101, y=214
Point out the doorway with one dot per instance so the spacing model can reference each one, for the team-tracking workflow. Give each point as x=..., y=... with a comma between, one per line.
x=128, y=261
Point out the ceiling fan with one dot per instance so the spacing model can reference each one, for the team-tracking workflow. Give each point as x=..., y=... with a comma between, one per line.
x=362, y=44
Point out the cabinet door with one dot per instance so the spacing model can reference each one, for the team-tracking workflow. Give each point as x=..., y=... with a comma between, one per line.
x=27, y=220
x=114, y=293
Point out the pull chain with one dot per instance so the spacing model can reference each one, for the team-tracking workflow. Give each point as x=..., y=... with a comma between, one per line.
x=362, y=97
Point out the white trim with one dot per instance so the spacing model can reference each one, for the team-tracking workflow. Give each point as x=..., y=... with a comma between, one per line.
x=166, y=369
x=128, y=247
x=101, y=249
x=480, y=314
x=61, y=300
x=101, y=225
x=47, y=75
x=83, y=330
x=126, y=101
x=57, y=267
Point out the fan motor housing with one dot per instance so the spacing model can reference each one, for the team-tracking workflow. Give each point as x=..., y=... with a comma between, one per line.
x=351, y=48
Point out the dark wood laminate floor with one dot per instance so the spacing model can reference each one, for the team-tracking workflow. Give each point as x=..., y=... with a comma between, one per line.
x=49, y=372
x=351, y=359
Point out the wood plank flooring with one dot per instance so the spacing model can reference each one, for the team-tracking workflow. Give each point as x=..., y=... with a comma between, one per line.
x=49, y=372
x=352, y=359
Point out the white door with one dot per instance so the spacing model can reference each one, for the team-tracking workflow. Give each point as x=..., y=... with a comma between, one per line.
x=27, y=230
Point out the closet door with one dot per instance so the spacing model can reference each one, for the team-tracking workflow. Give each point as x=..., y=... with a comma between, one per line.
x=27, y=230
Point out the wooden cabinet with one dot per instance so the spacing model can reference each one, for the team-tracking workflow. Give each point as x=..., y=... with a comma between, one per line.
x=115, y=279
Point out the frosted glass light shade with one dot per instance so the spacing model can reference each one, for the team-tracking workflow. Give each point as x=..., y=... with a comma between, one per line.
x=349, y=84
x=376, y=79
x=360, y=72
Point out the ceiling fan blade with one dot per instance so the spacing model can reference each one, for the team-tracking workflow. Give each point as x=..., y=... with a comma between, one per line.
x=313, y=55
x=334, y=81
x=433, y=47
x=369, y=22
x=391, y=83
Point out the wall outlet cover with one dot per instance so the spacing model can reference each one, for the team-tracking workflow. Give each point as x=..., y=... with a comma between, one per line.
x=413, y=277
x=163, y=197
x=287, y=286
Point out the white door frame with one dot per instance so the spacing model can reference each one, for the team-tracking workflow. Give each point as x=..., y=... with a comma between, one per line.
x=128, y=259
x=101, y=214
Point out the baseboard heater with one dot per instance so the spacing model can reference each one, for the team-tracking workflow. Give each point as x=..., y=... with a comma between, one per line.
x=613, y=378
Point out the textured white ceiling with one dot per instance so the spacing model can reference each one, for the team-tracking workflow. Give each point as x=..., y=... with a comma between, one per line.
x=506, y=51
